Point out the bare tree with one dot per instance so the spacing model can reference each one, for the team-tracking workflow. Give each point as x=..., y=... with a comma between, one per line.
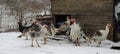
x=47, y=4
x=22, y=7
x=1, y=3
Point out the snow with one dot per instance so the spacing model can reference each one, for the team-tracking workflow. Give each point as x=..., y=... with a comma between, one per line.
x=10, y=44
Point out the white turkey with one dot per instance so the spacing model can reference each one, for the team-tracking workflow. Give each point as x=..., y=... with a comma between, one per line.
x=101, y=35
x=44, y=32
x=65, y=27
x=68, y=22
x=53, y=30
x=75, y=32
x=36, y=31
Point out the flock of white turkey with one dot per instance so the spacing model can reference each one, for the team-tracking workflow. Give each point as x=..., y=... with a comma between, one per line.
x=69, y=27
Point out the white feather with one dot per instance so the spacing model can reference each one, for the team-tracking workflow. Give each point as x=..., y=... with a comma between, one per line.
x=75, y=32
x=104, y=35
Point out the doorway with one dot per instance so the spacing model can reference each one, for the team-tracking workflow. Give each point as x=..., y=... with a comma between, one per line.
x=116, y=31
x=59, y=19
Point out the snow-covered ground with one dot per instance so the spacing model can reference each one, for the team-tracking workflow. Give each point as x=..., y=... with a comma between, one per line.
x=10, y=44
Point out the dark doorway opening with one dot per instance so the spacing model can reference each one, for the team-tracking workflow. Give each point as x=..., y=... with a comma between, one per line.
x=116, y=30
x=59, y=19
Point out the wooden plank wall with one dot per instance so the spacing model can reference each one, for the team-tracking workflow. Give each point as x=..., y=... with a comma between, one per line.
x=90, y=14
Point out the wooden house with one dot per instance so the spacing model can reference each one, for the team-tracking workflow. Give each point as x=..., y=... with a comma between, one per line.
x=92, y=15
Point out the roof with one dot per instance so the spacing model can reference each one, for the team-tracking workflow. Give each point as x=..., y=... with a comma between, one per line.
x=44, y=17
